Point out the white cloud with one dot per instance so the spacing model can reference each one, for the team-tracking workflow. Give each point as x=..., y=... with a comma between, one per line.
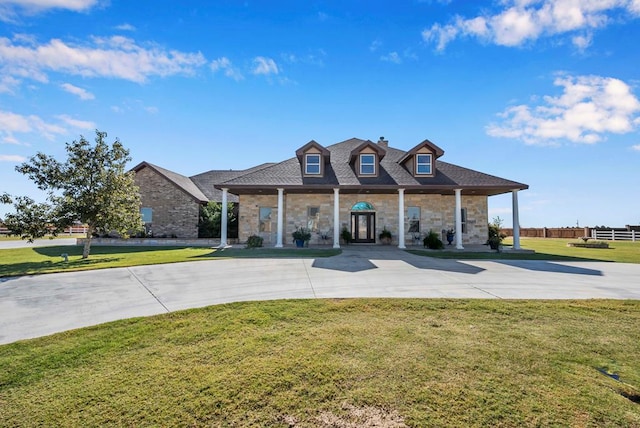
x=375, y=45
x=522, y=21
x=10, y=9
x=125, y=27
x=12, y=158
x=588, y=108
x=392, y=57
x=13, y=123
x=114, y=57
x=263, y=65
x=83, y=94
x=75, y=123
x=636, y=147
x=224, y=64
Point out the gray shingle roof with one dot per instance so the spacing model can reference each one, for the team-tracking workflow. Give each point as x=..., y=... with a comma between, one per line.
x=179, y=180
x=391, y=175
x=201, y=187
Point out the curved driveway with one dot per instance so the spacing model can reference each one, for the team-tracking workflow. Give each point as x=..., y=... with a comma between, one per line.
x=33, y=306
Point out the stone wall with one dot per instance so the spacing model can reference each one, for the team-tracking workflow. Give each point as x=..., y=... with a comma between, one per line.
x=436, y=213
x=175, y=213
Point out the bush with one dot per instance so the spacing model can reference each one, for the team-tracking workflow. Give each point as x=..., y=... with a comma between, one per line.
x=254, y=241
x=433, y=241
x=346, y=235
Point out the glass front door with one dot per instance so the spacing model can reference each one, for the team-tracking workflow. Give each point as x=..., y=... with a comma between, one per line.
x=363, y=227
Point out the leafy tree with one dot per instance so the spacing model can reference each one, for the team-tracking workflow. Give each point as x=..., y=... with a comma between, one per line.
x=209, y=223
x=91, y=187
x=32, y=220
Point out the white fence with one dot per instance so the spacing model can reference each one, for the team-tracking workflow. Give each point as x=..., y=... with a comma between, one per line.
x=70, y=230
x=615, y=235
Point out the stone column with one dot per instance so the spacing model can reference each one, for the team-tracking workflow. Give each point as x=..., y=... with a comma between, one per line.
x=459, y=219
x=280, y=217
x=401, y=219
x=223, y=219
x=336, y=218
x=516, y=220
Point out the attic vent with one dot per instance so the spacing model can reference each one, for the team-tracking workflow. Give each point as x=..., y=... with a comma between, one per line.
x=384, y=143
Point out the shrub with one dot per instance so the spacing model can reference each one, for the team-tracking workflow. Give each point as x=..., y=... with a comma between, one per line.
x=346, y=235
x=254, y=241
x=433, y=241
x=301, y=234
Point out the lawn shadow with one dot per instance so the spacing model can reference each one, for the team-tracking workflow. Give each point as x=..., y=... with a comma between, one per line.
x=345, y=263
x=261, y=253
x=76, y=250
x=548, y=266
x=363, y=258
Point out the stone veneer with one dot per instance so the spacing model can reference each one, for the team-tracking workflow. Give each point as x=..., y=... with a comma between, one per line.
x=436, y=213
x=175, y=213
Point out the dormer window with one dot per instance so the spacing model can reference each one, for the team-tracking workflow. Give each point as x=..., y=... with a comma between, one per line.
x=423, y=164
x=367, y=164
x=312, y=164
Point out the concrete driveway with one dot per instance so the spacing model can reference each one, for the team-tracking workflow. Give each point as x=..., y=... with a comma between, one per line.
x=33, y=306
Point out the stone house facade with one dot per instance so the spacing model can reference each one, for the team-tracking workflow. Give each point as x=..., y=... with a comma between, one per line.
x=356, y=184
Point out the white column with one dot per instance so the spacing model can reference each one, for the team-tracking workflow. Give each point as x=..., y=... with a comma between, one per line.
x=223, y=219
x=516, y=220
x=280, y=217
x=336, y=218
x=459, y=219
x=401, y=219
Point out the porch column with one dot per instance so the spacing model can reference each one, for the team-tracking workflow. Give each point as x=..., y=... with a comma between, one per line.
x=401, y=219
x=336, y=218
x=223, y=219
x=516, y=219
x=280, y=217
x=459, y=219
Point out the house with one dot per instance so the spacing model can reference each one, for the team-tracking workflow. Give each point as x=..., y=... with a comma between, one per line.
x=356, y=184
x=171, y=202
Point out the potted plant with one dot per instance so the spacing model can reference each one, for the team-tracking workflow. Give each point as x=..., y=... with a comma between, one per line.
x=385, y=236
x=450, y=235
x=346, y=235
x=301, y=236
x=495, y=237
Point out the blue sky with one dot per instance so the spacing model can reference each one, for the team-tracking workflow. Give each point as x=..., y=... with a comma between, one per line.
x=545, y=92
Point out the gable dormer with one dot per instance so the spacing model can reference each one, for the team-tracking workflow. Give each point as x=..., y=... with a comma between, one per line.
x=313, y=157
x=421, y=160
x=366, y=159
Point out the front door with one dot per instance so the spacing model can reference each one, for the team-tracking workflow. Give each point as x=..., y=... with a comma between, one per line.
x=363, y=227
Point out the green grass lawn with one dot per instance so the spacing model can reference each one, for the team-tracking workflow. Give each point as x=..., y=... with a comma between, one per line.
x=472, y=363
x=550, y=249
x=35, y=260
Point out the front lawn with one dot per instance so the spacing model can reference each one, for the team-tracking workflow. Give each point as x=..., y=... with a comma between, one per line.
x=548, y=249
x=35, y=260
x=330, y=363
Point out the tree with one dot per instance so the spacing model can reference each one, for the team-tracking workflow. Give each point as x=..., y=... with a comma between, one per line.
x=209, y=224
x=91, y=187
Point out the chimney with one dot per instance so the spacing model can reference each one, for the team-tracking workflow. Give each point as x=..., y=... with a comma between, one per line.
x=384, y=143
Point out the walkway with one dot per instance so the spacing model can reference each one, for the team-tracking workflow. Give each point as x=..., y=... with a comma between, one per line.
x=33, y=306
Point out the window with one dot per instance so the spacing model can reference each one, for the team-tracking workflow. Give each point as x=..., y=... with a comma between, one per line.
x=423, y=164
x=265, y=219
x=147, y=215
x=463, y=219
x=414, y=219
x=313, y=218
x=312, y=164
x=367, y=164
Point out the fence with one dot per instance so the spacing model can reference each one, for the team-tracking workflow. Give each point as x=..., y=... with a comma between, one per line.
x=615, y=235
x=68, y=231
x=628, y=234
x=550, y=232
